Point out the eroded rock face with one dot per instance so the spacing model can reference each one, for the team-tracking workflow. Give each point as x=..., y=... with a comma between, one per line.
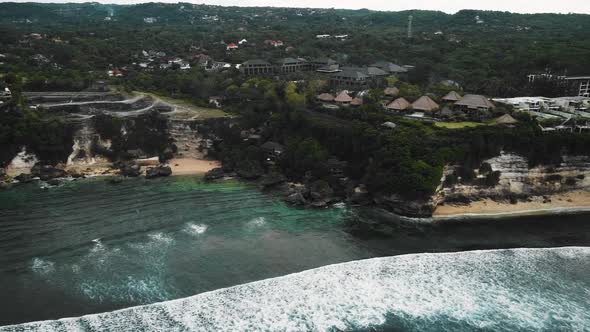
x=518, y=182
x=22, y=163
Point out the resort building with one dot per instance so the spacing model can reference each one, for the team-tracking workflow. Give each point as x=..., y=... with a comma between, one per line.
x=256, y=67
x=425, y=104
x=291, y=65
x=390, y=67
x=579, y=86
x=452, y=97
x=322, y=63
x=343, y=98
x=349, y=79
x=399, y=104
x=475, y=103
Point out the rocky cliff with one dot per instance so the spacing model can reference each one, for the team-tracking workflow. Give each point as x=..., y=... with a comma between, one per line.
x=514, y=180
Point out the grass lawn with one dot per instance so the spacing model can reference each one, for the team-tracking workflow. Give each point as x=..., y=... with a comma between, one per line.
x=459, y=125
x=187, y=110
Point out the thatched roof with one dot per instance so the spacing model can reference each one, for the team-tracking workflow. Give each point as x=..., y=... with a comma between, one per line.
x=399, y=104
x=326, y=97
x=356, y=102
x=424, y=103
x=343, y=97
x=475, y=102
x=452, y=96
x=506, y=119
x=391, y=92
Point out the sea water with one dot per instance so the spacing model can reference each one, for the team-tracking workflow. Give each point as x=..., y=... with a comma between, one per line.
x=89, y=247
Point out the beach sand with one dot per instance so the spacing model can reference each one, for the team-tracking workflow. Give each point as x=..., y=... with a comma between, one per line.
x=571, y=201
x=189, y=166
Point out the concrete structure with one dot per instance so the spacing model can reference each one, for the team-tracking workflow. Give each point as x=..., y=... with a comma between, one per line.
x=349, y=79
x=579, y=86
x=291, y=65
x=257, y=67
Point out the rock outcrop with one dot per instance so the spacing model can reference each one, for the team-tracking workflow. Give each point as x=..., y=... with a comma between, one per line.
x=130, y=169
x=158, y=171
x=48, y=172
x=214, y=174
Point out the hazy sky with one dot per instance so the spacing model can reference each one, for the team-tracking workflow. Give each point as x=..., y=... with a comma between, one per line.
x=449, y=6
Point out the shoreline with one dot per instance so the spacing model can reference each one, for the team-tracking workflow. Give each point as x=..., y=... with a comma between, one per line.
x=557, y=204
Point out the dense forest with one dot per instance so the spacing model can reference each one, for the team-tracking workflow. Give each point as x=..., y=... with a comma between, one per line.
x=492, y=57
x=78, y=43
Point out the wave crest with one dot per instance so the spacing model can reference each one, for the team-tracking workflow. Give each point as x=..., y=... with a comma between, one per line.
x=496, y=290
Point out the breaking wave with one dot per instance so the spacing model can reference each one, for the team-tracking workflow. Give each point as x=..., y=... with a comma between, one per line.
x=496, y=290
x=196, y=229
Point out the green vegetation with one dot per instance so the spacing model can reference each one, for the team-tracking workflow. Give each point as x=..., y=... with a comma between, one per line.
x=458, y=125
x=78, y=46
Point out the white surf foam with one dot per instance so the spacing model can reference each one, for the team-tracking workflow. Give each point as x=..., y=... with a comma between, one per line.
x=257, y=222
x=160, y=237
x=42, y=266
x=196, y=229
x=496, y=290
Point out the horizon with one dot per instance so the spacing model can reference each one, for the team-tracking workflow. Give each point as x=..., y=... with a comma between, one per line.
x=449, y=7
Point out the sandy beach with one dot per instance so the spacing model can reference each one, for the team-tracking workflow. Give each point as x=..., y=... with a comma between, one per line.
x=565, y=202
x=189, y=166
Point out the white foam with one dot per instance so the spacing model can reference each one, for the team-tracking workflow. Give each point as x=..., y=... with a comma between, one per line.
x=257, y=222
x=161, y=238
x=495, y=290
x=196, y=229
x=42, y=266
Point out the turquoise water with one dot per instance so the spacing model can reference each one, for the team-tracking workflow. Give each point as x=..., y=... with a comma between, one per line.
x=90, y=246
x=499, y=290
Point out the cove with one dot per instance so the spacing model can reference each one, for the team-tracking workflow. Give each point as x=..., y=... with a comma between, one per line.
x=90, y=246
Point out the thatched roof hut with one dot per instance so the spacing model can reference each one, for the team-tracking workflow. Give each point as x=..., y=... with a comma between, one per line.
x=506, y=119
x=356, y=101
x=399, y=104
x=452, y=97
x=343, y=98
x=425, y=104
x=475, y=102
x=392, y=92
x=326, y=98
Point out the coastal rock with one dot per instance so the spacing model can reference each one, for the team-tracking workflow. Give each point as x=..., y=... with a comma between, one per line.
x=272, y=179
x=159, y=171
x=250, y=171
x=4, y=185
x=25, y=178
x=214, y=174
x=76, y=174
x=53, y=182
x=296, y=198
x=130, y=169
x=404, y=207
x=320, y=191
x=47, y=172
x=2, y=172
x=359, y=195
